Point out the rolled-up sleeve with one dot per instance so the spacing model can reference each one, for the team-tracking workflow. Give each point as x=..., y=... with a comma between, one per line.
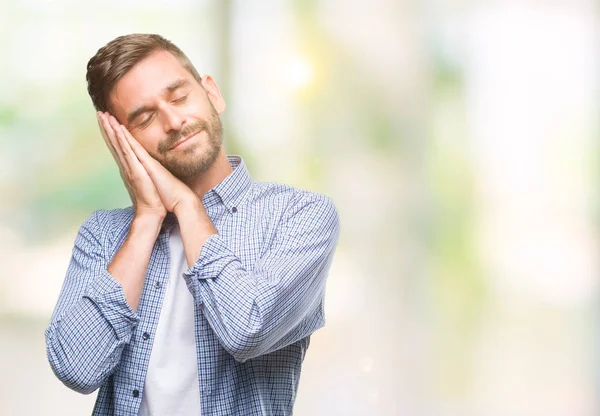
x=92, y=320
x=279, y=301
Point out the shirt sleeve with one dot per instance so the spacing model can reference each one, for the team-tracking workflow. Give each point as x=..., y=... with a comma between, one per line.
x=281, y=300
x=92, y=320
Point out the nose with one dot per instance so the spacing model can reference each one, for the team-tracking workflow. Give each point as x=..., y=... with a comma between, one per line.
x=172, y=119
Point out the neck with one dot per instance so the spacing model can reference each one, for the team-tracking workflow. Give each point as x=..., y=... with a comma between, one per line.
x=203, y=183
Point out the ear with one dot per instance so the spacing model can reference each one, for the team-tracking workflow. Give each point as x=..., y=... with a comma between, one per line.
x=213, y=93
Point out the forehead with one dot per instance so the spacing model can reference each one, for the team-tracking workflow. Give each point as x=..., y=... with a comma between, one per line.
x=146, y=81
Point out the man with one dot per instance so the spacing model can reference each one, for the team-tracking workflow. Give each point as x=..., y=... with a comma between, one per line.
x=202, y=296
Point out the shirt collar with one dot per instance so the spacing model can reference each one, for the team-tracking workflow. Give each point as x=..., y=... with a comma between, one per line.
x=231, y=190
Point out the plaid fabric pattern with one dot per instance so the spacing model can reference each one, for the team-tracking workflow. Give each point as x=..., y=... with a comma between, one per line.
x=258, y=286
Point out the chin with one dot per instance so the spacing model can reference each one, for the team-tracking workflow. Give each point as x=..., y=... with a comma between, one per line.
x=191, y=164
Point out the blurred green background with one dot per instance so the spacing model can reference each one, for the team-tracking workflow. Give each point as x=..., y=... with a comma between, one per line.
x=458, y=140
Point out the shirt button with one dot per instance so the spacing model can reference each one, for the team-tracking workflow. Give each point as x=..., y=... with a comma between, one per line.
x=145, y=335
x=157, y=285
x=234, y=209
x=136, y=393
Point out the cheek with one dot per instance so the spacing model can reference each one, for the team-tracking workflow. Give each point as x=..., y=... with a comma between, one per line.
x=199, y=106
x=194, y=111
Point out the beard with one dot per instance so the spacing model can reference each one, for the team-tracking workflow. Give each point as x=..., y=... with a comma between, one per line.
x=195, y=159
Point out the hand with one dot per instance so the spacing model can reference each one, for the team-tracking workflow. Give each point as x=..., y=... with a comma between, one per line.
x=174, y=194
x=142, y=191
x=194, y=223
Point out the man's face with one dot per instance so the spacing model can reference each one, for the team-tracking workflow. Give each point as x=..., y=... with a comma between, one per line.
x=175, y=118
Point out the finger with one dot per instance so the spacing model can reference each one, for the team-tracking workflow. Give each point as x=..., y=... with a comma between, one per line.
x=107, y=130
x=114, y=144
x=124, y=170
x=134, y=163
x=103, y=130
x=105, y=135
x=100, y=119
x=125, y=146
x=113, y=125
x=143, y=156
x=128, y=155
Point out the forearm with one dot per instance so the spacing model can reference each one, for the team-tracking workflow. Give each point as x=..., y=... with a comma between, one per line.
x=130, y=264
x=195, y=226
x=92, y=321
x=256, y=312
x=85, y=344
x=278, y=301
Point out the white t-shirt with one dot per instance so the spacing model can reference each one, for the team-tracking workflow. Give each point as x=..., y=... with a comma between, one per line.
x=171, y=386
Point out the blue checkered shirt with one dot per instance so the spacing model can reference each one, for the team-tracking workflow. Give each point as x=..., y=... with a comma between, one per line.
x=258, y=288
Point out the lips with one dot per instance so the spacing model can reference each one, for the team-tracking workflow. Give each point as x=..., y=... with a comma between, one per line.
x=185, y=139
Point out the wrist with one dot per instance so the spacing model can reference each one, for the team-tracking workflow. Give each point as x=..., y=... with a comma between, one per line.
x=192, y=215
x=147, y=220
x=188, y=206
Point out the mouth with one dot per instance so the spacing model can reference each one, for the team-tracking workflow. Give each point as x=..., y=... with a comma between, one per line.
x=185, y=139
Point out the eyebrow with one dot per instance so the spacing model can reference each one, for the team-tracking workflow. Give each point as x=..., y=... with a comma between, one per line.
x=167, y=90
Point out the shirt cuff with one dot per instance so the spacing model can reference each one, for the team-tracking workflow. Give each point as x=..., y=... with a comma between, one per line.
x=214, y=256
x=216, y=262
x=109, y=297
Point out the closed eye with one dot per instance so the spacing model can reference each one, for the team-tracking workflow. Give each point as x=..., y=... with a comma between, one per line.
x=146, y=121
x=180, y=99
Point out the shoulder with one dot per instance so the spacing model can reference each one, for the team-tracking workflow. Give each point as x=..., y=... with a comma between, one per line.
x=297, y=203
x=103, y=222
x=290, y=195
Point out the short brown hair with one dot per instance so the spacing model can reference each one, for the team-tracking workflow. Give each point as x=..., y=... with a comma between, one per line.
x=118, y=56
